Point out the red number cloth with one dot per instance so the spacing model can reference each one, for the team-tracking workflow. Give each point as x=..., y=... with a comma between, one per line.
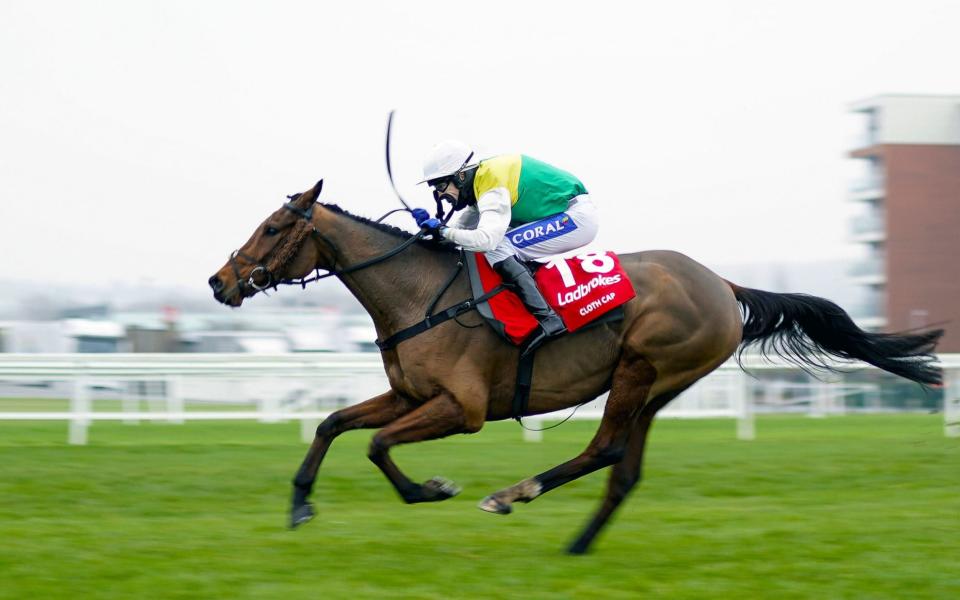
x=593, y=293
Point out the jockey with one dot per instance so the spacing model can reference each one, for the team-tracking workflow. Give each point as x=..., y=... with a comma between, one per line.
x=514, y=208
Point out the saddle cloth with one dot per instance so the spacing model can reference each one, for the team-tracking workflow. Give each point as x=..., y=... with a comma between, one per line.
x=580, y=289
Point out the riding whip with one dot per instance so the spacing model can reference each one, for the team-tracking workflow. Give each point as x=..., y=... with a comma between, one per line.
x=389, y=169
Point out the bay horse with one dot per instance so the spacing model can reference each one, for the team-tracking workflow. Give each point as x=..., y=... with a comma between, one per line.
x=684, y=322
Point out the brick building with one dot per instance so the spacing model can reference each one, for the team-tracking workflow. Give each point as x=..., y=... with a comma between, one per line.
x=910, y=189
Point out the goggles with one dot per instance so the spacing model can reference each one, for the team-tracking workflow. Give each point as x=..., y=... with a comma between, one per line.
x=440, y=185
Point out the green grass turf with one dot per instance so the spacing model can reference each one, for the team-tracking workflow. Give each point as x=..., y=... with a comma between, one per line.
x=845, y=507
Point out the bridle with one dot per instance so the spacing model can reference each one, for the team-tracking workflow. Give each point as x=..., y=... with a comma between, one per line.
x=259, y=265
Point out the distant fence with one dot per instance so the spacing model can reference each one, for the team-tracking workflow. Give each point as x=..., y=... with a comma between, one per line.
x=308, y=387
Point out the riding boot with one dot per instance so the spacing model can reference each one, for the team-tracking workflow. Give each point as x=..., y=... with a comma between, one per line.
x=518, y=279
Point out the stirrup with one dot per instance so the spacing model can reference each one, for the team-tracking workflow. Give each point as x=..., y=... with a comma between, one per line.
x=539, y=337
x=552, y=324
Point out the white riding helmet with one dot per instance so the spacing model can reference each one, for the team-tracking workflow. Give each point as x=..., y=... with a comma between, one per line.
x=446, y=158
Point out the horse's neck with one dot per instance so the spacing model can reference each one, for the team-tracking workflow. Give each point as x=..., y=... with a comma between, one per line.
x=394, y=292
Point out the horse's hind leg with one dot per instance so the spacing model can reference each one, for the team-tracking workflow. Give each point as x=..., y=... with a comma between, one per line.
x=632, y=380
x=624, y=475
x=375, y=412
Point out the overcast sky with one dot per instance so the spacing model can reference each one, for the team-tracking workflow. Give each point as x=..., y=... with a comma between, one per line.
x=142, y=141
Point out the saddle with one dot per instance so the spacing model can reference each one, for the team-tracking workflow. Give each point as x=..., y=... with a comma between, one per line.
x=581, y=289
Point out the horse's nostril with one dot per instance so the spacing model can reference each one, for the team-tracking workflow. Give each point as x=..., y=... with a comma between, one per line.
x=215, y=283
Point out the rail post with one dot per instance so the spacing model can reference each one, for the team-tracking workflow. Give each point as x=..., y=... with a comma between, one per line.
x=174, y=393
x=951, y=404
x=308, y=427
x=820, y=403
x=79, y=409
x=740, y=389
x=534, y=433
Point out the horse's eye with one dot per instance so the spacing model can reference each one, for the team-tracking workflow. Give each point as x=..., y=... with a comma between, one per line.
x=271, y=230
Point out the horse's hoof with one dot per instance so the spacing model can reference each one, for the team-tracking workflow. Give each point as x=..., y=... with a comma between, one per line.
x=300, y=515
x=492, y=505
x=442, y=488
x=578, y=548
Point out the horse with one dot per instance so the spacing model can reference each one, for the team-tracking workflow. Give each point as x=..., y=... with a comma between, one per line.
x=684, y=322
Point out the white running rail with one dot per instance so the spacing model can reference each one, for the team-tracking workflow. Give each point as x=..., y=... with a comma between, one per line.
x=258, y=378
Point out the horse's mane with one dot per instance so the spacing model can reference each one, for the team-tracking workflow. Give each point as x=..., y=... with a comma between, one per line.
x=391, y=230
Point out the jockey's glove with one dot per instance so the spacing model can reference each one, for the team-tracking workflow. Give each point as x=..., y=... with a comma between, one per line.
x=420, y=215
x=432, y=226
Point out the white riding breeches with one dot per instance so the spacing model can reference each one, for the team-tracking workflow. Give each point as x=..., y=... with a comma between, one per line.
x=556, y=234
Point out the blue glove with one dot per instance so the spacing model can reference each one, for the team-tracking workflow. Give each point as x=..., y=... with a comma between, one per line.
x=419, y=215
x=431, y=224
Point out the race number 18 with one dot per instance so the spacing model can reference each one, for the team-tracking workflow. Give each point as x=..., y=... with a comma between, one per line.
x=591, y=262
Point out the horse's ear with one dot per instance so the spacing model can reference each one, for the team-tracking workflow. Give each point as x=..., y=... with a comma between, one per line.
x=316, y=190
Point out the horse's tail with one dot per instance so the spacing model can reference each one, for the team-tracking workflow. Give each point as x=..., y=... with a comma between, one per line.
x=807, y=330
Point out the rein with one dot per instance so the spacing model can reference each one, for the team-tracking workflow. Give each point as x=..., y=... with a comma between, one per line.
x=307, y=215
x=430, y=320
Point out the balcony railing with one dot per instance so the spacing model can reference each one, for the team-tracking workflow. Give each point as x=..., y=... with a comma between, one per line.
x=867, y=224
x=863, y=139
x=866, y=184
x=870, y=307
x=868, y=268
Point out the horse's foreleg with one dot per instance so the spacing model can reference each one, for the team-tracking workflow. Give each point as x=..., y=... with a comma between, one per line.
x=375, y=412
x=631, y=384
x=439, y=417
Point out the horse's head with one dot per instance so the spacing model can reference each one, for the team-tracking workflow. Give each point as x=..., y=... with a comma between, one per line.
x=279, y=249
